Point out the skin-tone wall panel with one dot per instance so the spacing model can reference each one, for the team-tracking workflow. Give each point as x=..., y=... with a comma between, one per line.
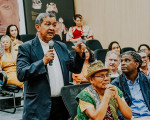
x=125, y=21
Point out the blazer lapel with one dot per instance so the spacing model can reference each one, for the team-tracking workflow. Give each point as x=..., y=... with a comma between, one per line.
x=59, y=53
x=37, y=48
x=126, y=87
x=144, y=89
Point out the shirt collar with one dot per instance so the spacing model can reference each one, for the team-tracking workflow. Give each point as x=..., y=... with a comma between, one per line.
x=44, y=43
x=130, y=82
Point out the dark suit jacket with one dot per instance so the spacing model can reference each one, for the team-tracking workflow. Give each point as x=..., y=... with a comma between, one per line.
x=31, y=71
x=144, y=82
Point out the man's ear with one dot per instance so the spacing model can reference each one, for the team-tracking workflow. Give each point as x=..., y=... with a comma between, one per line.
x=137, y=64
x=37, y=27
x=91, y=79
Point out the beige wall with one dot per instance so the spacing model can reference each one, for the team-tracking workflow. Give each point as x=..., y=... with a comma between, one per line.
x=126, y=21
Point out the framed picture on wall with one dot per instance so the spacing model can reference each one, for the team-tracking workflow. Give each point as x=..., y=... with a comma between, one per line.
x=64, y=10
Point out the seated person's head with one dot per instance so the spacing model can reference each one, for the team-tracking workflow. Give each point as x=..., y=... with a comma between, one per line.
x=146, y=48
x=13, y=32
x=112, y=60
x=114, y=46
x=130, y=62
x=78, y=20
x=144, y=57
x=6, y=42
x=89, y=55
x=98, y=75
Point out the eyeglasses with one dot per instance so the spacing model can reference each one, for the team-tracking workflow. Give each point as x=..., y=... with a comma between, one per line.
x=102, y=76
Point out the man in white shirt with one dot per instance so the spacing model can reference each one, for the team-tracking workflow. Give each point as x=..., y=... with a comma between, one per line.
x=45, y=71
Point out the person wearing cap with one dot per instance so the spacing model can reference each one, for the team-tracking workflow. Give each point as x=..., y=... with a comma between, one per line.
x=135, y=85
x=101, y=100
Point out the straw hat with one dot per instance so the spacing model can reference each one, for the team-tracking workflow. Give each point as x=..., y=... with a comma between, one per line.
x=95, y=67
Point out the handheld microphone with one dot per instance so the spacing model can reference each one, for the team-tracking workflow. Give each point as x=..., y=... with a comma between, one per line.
x=51, y=45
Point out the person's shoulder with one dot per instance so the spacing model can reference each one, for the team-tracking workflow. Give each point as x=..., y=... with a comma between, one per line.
x=28, y=43
x=61, y=44
x=86, y=27
x=144, y=77
x=115, y=81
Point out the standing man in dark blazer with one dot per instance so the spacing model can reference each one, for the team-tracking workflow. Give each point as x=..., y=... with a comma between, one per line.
x=45, y=71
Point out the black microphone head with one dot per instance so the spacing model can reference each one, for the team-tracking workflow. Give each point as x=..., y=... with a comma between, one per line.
x=51, y=44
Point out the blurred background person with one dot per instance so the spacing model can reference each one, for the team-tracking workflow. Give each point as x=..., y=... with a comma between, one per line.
x=9, y=14
x=81, y=78
x=79, y=33
x=114, y=45
x=146, y=48
x=145, y=68
x=112, y=61
x=8, y=62
x=13, y=32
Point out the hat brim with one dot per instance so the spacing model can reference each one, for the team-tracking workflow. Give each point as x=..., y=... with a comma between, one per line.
x=91, y=73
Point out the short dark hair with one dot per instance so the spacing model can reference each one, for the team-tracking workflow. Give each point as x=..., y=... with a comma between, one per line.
x=8, y=31
x=111, y=44
x=40, y=17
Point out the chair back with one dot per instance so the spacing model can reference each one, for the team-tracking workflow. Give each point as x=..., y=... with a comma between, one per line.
x=93, y=44
x=57, y=37
x=27, y=37
x=69, y=94
x=1, y=36
x=100, y=54
x=69, y=45
x=125, y=49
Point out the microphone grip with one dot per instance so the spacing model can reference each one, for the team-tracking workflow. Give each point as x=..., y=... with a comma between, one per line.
x=51, y=62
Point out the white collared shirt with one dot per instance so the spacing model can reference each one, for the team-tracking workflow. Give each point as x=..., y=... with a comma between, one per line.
x=54, y=71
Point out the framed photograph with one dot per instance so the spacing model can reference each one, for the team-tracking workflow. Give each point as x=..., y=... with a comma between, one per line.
x=64, y=10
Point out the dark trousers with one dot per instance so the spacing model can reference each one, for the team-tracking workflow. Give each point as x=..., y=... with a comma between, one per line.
x=58, y=110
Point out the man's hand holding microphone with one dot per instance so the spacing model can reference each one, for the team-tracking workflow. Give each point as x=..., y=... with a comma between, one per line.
x=49, y=56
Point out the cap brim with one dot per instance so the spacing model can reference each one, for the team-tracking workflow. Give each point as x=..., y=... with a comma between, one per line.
x=91, y=73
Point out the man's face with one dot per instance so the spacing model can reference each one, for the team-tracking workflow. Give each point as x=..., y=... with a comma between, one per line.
x=128, y=65
x=47, y=29
x=100, y=79
x=9, y=14
x=145, y=59
x=112, y=62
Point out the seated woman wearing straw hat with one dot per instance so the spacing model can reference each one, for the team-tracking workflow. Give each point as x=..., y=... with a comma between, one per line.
x=101, y=100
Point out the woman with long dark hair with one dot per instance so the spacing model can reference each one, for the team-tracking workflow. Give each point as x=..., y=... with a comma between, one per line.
x=114, y=45
x=13, y=32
